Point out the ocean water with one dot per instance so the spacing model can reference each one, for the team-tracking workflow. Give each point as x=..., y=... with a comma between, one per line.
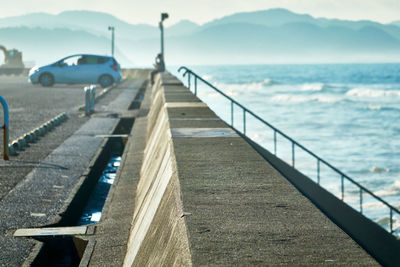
x=347, y=114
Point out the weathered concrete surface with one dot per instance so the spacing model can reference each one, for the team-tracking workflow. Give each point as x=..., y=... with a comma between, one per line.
x=220, y=202
x=41, y=179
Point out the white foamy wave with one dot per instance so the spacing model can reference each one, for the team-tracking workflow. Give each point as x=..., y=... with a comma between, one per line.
x=365, y=92
x=373, y=205
x=213, y=95
x=233, y=89
x=255, y=137
x=254, y=86
x=312, y=87
x=302, y=98
x=231, y=93
x=391, y=190
x=371, y=107
x=385, y=221
x=207, y=77
x=268, y=81
x=378, y=170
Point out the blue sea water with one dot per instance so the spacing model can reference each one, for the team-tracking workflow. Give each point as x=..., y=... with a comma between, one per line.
x=348, y=114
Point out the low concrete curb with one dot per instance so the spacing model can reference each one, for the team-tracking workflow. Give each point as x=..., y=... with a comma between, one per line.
x=32, y=136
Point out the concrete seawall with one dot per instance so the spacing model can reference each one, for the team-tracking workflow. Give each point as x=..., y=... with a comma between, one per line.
x=190, y=191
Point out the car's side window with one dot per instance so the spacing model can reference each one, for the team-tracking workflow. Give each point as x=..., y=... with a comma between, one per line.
x=72, y=61
x=91, y=60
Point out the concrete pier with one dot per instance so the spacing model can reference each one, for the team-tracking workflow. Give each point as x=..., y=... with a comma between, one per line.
x=190, y=191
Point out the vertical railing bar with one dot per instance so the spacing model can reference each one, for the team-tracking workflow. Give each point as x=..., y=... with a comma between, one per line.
x=361, y=201
x=318, y=171
x=244, y=121
x=232, y=114
x=189, y=80
x=275, y=148
x=342, y=187
x=391, y=220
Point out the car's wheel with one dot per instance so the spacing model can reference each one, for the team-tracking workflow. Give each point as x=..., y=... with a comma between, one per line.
x=46, y=79
x=106, y=80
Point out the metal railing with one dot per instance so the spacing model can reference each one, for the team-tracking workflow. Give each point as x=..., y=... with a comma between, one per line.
x=294, y=144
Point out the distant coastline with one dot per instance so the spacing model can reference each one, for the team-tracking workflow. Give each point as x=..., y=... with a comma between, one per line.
x=275, y=36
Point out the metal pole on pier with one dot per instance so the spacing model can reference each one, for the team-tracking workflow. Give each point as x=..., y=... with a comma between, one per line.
x=164, y=16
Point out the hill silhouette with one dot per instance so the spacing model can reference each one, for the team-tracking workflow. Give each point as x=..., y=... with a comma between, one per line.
x=269, y=36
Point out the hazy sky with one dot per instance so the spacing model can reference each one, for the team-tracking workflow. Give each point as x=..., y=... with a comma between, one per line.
x=200, y=11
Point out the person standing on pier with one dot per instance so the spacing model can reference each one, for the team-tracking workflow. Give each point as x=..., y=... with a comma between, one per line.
x=159, y=66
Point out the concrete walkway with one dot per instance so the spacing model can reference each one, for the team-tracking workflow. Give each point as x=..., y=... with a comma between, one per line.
x=41, y=197
x=190, y=191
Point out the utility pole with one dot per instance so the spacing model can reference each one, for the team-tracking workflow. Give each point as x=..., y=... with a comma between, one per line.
x=163, y=17
x=112, y=28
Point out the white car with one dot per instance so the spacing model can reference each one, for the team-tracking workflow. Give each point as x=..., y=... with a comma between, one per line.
x=82, y=68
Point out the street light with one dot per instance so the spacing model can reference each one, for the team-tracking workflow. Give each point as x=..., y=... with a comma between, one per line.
x=164, y=16
x=111, y=28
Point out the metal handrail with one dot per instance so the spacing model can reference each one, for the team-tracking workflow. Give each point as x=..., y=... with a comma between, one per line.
x=294, y=145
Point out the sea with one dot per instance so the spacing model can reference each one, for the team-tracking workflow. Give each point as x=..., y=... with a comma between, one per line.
x=347, y=114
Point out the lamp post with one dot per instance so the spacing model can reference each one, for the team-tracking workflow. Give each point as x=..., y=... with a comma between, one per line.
x=111, y=28
x=163, y=17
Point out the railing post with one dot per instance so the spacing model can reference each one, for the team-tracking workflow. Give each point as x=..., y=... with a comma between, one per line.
x=244, y=121
x=319, y=171
x=195, y=85
x=275, y=148
x=5, y=128
x=361, y=201
x=231, y=113
x=391, y=220
x=342, y=187
x=189, y=80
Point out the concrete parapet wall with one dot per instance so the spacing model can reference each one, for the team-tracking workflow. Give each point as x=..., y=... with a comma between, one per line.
x=142, y=74
x=158, y=234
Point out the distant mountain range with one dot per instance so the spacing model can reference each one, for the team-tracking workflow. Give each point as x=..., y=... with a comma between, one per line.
x=270, y=36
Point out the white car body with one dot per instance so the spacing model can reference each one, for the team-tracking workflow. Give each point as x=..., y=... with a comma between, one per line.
x=81, y=68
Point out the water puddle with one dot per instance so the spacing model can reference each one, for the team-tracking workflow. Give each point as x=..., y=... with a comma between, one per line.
x=93, y=209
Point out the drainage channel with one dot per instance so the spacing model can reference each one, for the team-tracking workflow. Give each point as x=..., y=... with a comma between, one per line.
x=87, y=204
x=93, y=210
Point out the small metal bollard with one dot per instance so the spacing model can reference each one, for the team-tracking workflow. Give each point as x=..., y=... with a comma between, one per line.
x=5, y=128
x=92, y=97
x=89, y=99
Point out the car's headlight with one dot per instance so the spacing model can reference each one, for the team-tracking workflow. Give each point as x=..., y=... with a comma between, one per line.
x=33, y=70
